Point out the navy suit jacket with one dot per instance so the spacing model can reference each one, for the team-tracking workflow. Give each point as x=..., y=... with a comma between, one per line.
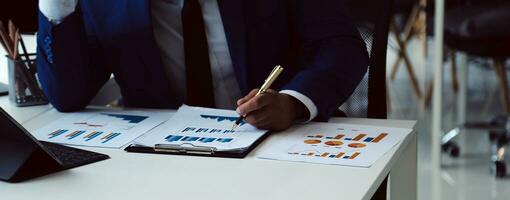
x=314, y=40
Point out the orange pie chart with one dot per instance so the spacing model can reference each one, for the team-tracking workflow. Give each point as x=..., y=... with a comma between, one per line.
x=312, y=141
x=356, y=145
x=334, y=143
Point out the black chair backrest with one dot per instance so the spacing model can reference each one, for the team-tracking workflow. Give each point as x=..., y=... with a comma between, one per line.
x=372, y=18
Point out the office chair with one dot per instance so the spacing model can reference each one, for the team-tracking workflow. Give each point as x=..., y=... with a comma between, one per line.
x=482, y=29
x=369, y=99
x=414, y=25
x=372, y=19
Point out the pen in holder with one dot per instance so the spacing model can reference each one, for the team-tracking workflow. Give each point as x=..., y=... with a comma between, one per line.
x=24, y=88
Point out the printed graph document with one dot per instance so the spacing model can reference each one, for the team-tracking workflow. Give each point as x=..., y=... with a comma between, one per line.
x=335, y=144
x=101, y=128
x=202, y=127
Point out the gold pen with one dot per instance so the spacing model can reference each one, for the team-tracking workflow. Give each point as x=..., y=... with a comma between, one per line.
x=267, y=83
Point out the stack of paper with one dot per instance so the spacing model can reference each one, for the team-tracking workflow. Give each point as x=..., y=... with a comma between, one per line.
x=202, y=127
x=100, y=128
x=336, y=144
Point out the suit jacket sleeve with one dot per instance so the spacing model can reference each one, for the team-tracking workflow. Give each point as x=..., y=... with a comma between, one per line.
x=332, y=54
x=69, y=63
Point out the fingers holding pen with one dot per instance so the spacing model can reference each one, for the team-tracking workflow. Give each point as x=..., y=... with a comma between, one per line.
x=252, y=102
x=250, y=95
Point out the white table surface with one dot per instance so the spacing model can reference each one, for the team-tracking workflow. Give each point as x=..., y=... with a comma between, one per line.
x=149, y=176
x=22, y=114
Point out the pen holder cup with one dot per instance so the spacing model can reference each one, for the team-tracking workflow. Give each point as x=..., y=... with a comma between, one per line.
x=24, y=88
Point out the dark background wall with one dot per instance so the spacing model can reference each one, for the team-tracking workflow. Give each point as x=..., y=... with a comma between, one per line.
x=22, y=12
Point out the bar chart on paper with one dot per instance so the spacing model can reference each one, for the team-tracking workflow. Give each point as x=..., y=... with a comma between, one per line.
x=337, y=144
x=203, y=127
x=100, y=128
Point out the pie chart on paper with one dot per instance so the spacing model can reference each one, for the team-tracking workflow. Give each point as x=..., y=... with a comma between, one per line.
x=357, y=145
x=333, y=143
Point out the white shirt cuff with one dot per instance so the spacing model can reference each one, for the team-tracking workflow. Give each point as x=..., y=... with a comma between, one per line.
x=312, y=109
x=57, y=10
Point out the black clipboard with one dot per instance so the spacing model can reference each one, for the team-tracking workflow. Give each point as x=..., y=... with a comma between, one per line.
x=196, y=150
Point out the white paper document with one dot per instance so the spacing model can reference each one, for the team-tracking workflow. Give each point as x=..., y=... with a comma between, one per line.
x=333, y=143
x=202, y=127
x=101, y=128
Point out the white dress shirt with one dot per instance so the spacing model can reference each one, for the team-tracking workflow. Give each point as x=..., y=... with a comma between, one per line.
x=167, y=27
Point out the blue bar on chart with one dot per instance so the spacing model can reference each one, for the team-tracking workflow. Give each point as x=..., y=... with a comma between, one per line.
x=368, y=139
x=224, y=140
x=190, y=139
x=109, y=137
x=357, y=138
x=57, y=133
x=205, y=130
x=74, y=134
x=133, y=119
x=221, y=118
x=326, y=155
x=92, y=135
x=229, y=131
x=200, y=130
x=180, y=138
x=173, y=138
x=337, y=137
x=354, y=155
x=206, y=140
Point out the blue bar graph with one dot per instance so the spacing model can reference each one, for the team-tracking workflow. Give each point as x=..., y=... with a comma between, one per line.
x=134, y=119
x=180, y=138
x=90, y=137
x=368, y=139
x=221, y=118
x=57, y=133
x=75, y=134
x=206, y=130
x=114, y=135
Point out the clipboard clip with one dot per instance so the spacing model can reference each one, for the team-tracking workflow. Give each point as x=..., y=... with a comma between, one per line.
x=186, y=148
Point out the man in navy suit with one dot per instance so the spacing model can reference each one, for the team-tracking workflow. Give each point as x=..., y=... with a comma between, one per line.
x=164, y=53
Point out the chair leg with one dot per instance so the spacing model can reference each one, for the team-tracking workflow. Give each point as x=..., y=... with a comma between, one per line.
x=395, y=66
x=488, y=102
x=407, y=33
x=422, y=25
x=503, y=82
x=455, y=79
x=428, y=95
x=408, y=64
x=388, y=99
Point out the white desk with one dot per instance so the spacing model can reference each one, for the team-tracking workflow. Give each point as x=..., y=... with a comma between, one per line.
x=147, y=176
x=22, y=114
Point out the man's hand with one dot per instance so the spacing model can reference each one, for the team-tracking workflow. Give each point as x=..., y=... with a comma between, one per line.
x=271, y=110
